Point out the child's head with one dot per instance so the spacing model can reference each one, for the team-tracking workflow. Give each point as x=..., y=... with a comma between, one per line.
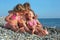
x=10, y=11
x=29, y=16
x=34, y=15
x=19, y=7
x=26, y=6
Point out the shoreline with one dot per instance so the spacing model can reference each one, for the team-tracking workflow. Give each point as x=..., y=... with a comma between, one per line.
x=54, y=33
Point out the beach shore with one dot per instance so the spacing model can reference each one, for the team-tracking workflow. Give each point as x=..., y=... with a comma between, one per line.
x=6, y=34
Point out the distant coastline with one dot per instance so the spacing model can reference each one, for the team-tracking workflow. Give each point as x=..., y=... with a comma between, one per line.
x=48, y=18
x=50, y=22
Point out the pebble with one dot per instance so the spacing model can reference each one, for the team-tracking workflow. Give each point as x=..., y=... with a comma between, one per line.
x=6, y=34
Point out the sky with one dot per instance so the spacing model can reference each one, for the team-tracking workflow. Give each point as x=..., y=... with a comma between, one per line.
x=43, y=8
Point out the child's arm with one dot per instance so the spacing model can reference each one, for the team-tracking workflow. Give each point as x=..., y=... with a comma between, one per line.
x=39, y=25
x=34, y=29
x=38, y=21
x=25, y=26
x=8, y=17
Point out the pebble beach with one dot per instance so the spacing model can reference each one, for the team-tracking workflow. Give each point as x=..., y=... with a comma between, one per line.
x=6, y=34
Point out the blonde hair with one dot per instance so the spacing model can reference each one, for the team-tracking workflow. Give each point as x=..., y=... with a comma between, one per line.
x=26, y=5
x=16, y=8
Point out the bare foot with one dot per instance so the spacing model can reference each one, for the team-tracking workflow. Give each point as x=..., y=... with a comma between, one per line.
x=46, y=32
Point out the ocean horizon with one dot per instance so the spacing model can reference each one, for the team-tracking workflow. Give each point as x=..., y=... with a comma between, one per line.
x=50, y=22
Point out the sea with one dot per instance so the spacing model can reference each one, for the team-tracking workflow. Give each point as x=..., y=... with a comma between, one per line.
x=50, y=22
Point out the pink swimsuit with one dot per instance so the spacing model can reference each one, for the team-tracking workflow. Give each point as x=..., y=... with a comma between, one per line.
x=12, y=17
x=32, y=23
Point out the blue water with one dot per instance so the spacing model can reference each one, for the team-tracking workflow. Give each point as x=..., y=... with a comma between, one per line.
x=50, y=22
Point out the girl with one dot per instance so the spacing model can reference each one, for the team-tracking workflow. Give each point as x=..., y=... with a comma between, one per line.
x=28, y=9
x=33, y=25
x=21, y=23
x=32, y=19
x=12, y=20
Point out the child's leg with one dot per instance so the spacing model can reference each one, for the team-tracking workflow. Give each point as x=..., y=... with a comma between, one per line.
x=40, y=32
x=33, y=30
x=22, y=29
x=46, y=32
x=7, y=26
x=13, y=27
x=36, y=32
x=26, y=29
x=39, y=26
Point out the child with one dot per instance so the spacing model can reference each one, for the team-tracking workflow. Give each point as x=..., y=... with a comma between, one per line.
x=12, y=20
x=33, y=25
x=13, y=17
x=21, y=23
x=28, y=11
x=31, y=18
